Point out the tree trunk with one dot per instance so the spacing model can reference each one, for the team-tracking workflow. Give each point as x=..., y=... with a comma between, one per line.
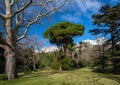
x=64, y=47
x=113, y=48
x=10, y=64
x=60, y=68
x=11, y=72
x=73, y=57
x=113, y=40
x=34, y=63
x=99, y=47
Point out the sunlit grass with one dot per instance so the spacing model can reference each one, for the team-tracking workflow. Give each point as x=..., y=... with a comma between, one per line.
x=83, y=76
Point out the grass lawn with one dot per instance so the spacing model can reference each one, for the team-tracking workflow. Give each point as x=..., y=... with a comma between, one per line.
x=83, y=76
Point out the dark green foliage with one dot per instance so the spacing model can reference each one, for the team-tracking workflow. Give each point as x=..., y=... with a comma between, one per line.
x=67, y=63
x=27, y=70
x=63, y=32
x=46, y=60
x=109, y=19
x=102, y=62
x=56, y=63
x=107, y=16
x=83, y=63
x=116, y=62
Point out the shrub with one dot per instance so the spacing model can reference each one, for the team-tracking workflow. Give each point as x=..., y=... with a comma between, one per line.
x=55, y=64
x=101, y=62
x=27, y=70
x=45, y=61
x=83, y=63
x=67, y=63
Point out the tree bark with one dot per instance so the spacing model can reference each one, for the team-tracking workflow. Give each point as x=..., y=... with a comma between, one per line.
x=9, y=53
x=60, y=68
x=10, y=64
x=113, y=39
x=34, y=63
x=64, y=47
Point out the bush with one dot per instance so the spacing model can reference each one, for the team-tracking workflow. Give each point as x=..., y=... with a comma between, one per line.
x=55, y=64
x=101, y=62
x=83, y=63
x=116, y=64
x=27, y=70
x=45, y=61
x=67, y=63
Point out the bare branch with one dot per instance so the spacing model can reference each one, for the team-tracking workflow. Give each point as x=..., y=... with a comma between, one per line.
x=12, y=2
x=21, y=9
x=2, y=16
x=45, y=14
x=23, y=36
x=5, y=43
x=2, y=46
x=45, y=4
x=39, y=16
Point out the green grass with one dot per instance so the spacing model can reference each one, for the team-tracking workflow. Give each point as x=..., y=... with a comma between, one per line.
x=83, y=76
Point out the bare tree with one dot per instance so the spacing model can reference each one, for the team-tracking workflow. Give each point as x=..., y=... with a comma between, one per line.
x=17, y=17
x=36, y=44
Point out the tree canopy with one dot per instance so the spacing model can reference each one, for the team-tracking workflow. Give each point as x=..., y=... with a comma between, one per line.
x=109, y=22
x=63, y=32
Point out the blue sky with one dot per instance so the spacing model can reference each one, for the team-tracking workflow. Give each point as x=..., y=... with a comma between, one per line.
x=76, y=11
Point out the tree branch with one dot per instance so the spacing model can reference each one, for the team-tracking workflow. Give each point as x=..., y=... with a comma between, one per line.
x=45, y=14
x=12, y=2
x=21, y=9
x=39, y=16
x=45, y=4
x=5, y=43
x=2, y=16
x=2, y=46
x=23, y=36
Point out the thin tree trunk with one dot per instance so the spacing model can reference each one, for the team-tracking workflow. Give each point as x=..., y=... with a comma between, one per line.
x=73, y=57
x=60, y=68
x=34, y=63
x=113, y=40
x=113, y=48
x=64, y=47
x=99, y=47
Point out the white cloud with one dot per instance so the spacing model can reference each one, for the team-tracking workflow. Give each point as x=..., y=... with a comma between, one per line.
x=49, y=49
x=72, y=18
x=88, y=5
x=80, y=8
x=95, y=42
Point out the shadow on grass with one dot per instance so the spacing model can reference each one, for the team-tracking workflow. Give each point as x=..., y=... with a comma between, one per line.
x=31, y=75
x=38, y=74
x=112, y=77
x=107, y=73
